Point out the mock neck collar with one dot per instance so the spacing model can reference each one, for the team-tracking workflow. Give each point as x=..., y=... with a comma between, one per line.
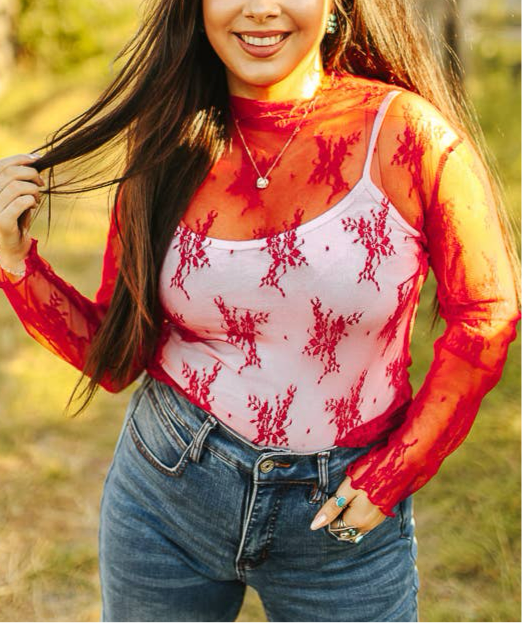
x=284, y=114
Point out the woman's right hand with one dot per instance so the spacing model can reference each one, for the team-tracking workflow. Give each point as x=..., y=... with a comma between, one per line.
x=19, y=192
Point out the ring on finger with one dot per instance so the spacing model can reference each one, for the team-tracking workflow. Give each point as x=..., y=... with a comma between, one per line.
x=340, y=501
x=346, y=533
x=351, y=530
x=356, y=539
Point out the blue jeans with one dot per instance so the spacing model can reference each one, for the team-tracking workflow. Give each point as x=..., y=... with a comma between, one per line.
x=191, y=513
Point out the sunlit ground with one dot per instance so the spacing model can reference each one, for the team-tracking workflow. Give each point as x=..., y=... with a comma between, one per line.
x=52, y=469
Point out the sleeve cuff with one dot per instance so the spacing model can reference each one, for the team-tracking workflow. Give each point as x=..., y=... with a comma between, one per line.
x=358, y=483
x=32, y=260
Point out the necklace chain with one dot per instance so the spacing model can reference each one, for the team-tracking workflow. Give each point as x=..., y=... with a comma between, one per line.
x=263, y=180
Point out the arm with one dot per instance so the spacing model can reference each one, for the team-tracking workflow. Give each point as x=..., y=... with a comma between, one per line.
x=55, y=314
x=476, y=292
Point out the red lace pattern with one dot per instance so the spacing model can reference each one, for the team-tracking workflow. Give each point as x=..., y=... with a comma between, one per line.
x=338, y=247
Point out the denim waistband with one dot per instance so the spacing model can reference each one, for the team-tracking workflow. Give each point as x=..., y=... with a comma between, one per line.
x=208, y=430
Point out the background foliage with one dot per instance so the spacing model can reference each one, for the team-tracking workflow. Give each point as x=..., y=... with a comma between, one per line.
x=53, y=33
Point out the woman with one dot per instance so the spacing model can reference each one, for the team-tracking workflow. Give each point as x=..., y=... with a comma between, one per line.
x=292, y=169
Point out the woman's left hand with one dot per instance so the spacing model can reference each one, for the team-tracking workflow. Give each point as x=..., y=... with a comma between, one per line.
x=358, y=510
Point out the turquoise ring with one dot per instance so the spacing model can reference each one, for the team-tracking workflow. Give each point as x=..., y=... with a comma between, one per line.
x=340, y=500
x=352, y=531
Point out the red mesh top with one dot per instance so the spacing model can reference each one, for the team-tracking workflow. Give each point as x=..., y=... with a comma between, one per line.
x=277, y=339
x=361, y=239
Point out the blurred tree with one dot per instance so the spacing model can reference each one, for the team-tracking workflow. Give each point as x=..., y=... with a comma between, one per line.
x=7, y=53
x=60, y=34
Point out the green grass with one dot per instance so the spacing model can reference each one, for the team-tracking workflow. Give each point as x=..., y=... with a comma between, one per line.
x=52, y=468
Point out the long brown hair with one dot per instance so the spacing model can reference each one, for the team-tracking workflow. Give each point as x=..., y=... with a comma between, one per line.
x=167, y=110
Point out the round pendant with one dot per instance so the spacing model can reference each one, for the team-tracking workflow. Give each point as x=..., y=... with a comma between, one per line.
x=262, y=182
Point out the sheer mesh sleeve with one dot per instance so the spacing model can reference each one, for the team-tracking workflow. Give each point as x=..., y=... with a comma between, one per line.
x=476, y=291
x=55, y=314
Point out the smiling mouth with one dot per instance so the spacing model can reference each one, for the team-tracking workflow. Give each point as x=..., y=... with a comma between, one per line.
x=262, y=42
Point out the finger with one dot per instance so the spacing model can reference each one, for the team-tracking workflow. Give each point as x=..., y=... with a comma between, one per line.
x=20, y=172
x=15, y=189
x=9, y=216
x=332, y=508
x=24, y=221
x=361, y=527
x=18, y=159
x=362, y=514
x=11, y=230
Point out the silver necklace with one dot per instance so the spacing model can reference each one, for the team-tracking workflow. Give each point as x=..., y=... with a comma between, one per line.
x=263, y=180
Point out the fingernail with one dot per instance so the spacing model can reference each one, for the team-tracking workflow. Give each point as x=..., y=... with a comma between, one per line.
x=35, y=156
x=318, y=521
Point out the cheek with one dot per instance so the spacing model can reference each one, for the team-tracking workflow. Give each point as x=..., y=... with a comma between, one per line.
x=219, y=13
x=308, y=15
x=217, y=17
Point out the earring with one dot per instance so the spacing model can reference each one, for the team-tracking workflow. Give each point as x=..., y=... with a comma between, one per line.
x=331, y=24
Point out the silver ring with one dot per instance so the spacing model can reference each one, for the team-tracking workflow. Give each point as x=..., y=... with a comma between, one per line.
x=345, y=532
x=356, y=539
x=353, y=531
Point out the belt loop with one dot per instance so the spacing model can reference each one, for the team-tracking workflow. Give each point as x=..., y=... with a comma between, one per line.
x=322, y=468
x=199, y=438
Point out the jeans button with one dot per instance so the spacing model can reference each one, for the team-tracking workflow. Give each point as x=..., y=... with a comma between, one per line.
x=267, y=466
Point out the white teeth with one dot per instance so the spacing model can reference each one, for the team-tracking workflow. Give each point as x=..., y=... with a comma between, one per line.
x=262, y=41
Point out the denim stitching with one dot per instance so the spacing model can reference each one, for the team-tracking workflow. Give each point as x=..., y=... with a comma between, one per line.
x=176, y=470
x=226, y=459
x=410, y=551
x=322, y=461
x=272, y=519
x=322, y=470
x=197, y=442
x=219, y=455
x=285, y=481
x=165, y=418
x=164, y=403
x=239, y=564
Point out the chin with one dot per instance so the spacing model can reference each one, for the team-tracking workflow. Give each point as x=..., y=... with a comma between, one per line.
x=261, y=81
x=262, y=78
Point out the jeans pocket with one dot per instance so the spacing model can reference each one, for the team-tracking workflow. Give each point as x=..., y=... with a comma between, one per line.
x=159, y=437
